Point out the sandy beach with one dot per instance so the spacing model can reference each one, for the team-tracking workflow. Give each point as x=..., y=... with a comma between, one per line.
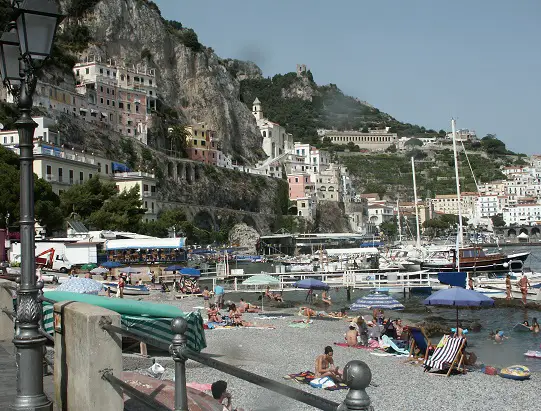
x=396, y=385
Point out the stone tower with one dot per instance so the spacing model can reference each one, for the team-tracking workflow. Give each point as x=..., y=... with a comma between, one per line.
x=256, y=109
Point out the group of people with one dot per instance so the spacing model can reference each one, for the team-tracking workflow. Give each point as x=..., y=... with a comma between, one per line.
x=234, y=316
x=368, y=333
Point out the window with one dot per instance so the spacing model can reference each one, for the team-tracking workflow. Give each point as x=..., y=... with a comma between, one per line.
x=89, y=175
x=99, y=167
x=71, y=176
x=114, y=73
x=120, y=104
x=87, y=71
x=195, y=142
x=150, y=92
x=137, y=108
x=108, y=103
x=101, y=100
x=60, y=174
x=129, y=107
x=113, y=103
x=101, y=89
x=203, y=142
x=113, y=92
x=101, y=71
x=146, y=205
x=108, y=73
x=49, y=170
x=81, y=176
x=77, y=73
x=264, y=134
x=296, y=179
x=150, y=83
x=145, y=187
x=122, y=77
x=195, y=152
x=129, y=131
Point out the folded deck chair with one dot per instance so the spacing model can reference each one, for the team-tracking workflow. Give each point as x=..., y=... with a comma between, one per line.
x=419, y=341
x=450, y=356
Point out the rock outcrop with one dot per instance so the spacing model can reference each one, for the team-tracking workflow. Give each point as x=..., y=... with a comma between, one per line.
x=244, y=236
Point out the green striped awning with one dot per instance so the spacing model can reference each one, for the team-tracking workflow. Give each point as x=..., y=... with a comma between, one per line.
x=159, y=328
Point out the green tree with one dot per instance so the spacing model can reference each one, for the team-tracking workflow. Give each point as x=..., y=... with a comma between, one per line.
x=391, y=149
x=497, y=220
x=120, y=212
x=85, y=199
x=389, y=228
x=414, y=142
x=177, y=135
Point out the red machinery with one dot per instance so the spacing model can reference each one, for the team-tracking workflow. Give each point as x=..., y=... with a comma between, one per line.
x=46, y=261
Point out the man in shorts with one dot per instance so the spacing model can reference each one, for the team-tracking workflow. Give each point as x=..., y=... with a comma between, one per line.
x=219, y=296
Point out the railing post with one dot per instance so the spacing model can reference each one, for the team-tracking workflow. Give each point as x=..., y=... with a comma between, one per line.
x=179, y=326
x=357, y=376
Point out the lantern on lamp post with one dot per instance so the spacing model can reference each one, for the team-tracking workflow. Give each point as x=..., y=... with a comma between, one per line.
x=25, y=44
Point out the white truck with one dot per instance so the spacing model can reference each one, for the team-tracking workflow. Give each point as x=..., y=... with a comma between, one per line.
x=44, y=252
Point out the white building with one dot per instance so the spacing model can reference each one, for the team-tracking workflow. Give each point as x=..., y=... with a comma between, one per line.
x=523, y=214
x=463, y=135
x=379, y=213
x=488, y=205
x=448, y=204
x=43, y=131
x=306, y=207
x=377, y=140
x=329, y=184
x=276, y=140
x=315, y=158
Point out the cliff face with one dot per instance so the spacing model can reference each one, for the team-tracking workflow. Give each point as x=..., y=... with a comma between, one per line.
x=196, y=84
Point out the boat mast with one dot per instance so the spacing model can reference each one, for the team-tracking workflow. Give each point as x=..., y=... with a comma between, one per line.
x=398, y=221
x=415, y=199
x=459, y=239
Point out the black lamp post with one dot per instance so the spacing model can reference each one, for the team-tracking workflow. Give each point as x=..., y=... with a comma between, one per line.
x=23, y=47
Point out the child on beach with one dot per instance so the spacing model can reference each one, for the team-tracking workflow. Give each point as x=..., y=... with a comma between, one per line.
x=213, y=314
x=499, y=336
x=352, y=336
x=206, y=297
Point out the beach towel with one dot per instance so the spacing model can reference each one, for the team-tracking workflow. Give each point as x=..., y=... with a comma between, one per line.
x=387, y=342
x=445, y=354
x=306, y=377
x=324, y=382
x=360, y=347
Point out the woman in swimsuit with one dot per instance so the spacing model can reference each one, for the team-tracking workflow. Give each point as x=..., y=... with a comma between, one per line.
x=508, y=287
x=214, y=314
x=235, y=315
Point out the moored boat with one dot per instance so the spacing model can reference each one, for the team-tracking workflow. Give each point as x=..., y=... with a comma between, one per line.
x=129, y=289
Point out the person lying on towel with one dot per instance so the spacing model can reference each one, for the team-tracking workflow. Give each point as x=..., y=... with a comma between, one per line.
x=325, y=366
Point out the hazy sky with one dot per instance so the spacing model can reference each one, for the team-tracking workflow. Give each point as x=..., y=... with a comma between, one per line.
x=422, y=61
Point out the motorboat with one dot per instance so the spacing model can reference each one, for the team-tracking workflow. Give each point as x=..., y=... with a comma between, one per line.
x=473, y=259
x=128, y=289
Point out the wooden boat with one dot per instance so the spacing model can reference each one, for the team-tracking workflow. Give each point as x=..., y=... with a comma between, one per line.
x=474, y=259
x=129, y=289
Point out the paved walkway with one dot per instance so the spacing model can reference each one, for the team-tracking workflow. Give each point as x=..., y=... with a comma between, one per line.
x=8, y=376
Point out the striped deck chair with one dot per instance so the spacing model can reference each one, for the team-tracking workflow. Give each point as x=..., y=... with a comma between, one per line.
x=419, y=342
x=450, y=356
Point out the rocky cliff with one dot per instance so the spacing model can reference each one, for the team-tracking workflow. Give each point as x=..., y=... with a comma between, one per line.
x=193, y=81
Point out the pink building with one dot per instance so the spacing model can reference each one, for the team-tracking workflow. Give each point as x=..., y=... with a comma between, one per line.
x=300, y=186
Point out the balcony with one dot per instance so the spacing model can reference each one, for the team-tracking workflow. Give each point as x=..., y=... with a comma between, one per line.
x=149, y=194
x=133, y=174
x=61, y=153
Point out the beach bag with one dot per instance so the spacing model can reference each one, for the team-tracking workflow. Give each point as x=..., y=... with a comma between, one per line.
x=324, y=382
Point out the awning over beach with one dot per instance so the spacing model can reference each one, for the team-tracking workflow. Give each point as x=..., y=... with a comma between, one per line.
x=137, y=243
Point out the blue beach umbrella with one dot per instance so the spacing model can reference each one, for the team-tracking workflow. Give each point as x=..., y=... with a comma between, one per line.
x=111, y=264
x=376, y=300
x=459, y=297
x=80, y=286
x=311, y=284
x=192, y=272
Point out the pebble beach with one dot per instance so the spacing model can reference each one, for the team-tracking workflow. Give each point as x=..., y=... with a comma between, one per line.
x=396, y=384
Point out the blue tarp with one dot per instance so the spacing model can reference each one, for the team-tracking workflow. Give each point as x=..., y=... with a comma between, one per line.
x=120, y=168
x=454, y=278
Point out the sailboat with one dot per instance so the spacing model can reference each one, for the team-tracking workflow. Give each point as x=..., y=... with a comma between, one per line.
x=469, y=258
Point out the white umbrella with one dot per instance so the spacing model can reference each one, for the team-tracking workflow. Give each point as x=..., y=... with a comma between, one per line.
x=99, y=270
x=261, y=279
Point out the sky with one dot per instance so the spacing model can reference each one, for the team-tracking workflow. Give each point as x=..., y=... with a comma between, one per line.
x=422, y=61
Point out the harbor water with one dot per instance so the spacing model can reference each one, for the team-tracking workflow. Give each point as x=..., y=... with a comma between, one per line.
x=510, y=352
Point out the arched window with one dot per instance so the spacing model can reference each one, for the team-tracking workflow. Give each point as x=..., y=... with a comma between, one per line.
x=264, y=134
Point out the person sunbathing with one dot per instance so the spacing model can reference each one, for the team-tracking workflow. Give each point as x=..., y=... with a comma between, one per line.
x=325, y=366
x=326, y=299
x=352, y=336
x=469, y=357
x=273, y=296
x=247, y=307
x=307, y=312
x=235, y=315
x=214, y=314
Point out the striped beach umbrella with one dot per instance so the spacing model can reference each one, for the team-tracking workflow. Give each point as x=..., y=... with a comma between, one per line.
x=376, y=300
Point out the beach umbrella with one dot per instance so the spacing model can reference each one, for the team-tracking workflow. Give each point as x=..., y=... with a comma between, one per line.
x=261, y=279
x=174, y=267
x=88, y=267
x=459, y=297
x=111, y=264
x=189, y=271
x=80, y=286
x=311, y=284
x=376, y=300
x=99, y=270
x=130, y=270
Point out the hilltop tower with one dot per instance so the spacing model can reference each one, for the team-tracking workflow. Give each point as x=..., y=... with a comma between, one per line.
x=257, y=111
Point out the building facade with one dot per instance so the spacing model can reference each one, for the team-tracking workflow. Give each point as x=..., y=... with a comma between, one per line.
x=276, y=140
x=374, y=140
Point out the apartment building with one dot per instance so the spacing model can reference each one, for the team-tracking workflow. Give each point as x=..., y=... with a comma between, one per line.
x=314, y=158
x=300, y=186
x=523, y=214
x=202, y=145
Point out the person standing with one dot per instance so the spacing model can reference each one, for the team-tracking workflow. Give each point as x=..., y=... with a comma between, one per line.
x=524, y=283
x=219, y=296
x=121, y=285
x=508, y=287
x=470, y=282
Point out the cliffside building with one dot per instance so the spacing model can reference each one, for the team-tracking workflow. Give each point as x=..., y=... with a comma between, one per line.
x=276, y=140
x=123, y=96
x=202, y=145
x=374, y=140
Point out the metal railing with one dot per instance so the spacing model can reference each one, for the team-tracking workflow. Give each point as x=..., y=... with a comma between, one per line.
x=357, y=374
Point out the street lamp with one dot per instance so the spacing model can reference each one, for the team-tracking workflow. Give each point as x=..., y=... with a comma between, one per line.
x=24, y=45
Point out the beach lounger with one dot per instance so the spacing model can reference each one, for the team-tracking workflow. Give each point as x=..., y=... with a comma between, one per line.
x=450, y=356
x=419, y=341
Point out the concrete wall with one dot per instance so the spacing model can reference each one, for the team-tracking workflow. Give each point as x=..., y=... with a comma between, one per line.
x=82, y=352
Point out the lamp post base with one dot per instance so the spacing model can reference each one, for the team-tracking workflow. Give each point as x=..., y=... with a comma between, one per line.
x=32, y=403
